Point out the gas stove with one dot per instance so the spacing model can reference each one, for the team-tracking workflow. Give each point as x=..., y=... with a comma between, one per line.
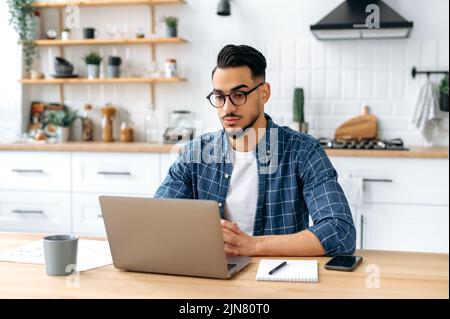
x=387, y=145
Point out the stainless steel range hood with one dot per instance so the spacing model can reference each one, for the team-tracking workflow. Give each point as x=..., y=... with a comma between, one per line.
x=362, y=19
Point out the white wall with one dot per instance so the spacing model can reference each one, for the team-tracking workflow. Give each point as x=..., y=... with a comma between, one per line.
x=339, y=77
x=10, y=71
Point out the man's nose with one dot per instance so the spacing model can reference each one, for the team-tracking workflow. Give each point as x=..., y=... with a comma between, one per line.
x=229, y=107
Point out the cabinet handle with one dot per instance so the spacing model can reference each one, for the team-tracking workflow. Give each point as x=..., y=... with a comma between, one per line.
x=28, y=171
x=376, y=180
x=114, y=173
x=361, y=231
x=100, y=216
x=33, y=212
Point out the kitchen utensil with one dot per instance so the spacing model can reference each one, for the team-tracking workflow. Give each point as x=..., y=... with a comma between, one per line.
x=361, y=127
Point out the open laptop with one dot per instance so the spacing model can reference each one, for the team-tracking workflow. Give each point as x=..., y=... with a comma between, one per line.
x=168, y=236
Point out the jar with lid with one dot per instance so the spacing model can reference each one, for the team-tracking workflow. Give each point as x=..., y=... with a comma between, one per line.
x=171, y=68
x=126, y=132
x=108, y=113
x=87, y=131
x=153, y=125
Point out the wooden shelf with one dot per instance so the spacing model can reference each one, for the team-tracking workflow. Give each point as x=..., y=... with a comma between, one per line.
x=103, y=80
x=96, y=3
x=74, y=42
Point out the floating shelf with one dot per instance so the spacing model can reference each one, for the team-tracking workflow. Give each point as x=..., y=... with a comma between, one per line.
x=94, y=3
x=74, y=42
x=103, y=80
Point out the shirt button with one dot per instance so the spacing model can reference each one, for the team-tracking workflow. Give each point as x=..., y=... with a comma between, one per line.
x=219, y=204
x=227, y=176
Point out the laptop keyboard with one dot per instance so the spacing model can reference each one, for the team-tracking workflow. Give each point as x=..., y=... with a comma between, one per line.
x=231, y=266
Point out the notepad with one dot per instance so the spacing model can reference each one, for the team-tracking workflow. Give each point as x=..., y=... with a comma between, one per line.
x=294, y=271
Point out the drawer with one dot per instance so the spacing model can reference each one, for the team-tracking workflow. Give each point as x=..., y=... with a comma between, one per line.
x=406, y=228
x=87, y=215
x=116, y=173
x=35, y=212
x=399, y=181
x=35, y=171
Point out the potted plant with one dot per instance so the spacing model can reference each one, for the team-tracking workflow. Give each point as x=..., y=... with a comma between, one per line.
x=171, y=26
x=443, y=89
x=22, y=18
x=62, y=121
x=299, y=111
x=93, y=60
x=65, y=34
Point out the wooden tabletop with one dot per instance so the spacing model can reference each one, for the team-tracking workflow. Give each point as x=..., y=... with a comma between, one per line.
x=402, y=275
x=414, y=152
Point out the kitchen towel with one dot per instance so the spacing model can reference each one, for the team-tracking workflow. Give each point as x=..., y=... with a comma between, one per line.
x=294, y=271
x=426, y=116
x=354, y=191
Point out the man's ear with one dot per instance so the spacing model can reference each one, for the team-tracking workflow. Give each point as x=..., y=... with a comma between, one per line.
x=266, y=92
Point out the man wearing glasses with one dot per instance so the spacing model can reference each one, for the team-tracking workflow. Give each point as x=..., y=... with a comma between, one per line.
x=267, y=180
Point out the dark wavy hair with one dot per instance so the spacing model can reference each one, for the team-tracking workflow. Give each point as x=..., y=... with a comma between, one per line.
x=234, y=56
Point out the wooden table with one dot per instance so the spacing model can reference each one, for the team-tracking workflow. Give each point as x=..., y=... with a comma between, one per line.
x=402, y=275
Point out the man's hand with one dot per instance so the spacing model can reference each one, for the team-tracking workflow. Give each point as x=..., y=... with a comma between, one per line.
x=237, y=243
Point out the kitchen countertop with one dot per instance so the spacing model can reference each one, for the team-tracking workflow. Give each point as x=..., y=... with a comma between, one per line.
x=414, y=152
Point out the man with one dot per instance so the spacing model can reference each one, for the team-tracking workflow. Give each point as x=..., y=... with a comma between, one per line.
x=266, y=179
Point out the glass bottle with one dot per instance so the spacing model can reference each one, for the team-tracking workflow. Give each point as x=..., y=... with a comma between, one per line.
x=153, y=125
x=87, y=131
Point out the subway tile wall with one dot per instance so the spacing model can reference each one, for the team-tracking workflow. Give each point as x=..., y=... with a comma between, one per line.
x=339, y=77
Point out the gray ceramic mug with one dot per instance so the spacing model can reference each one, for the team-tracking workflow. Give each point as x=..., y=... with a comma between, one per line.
x=60, y=254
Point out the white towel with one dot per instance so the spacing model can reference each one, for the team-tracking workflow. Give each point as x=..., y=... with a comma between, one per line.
x=427, y=115
x=354, y=191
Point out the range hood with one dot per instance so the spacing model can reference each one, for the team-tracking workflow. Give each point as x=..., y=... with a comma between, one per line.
x=362, y=19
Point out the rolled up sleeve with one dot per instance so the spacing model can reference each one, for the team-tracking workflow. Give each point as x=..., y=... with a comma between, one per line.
x=327, y=205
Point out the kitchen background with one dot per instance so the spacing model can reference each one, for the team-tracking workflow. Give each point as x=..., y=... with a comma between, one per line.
x=395, y=194
x=339, y=77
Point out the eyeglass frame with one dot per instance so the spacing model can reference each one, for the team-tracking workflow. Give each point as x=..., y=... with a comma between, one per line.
x=246, y=94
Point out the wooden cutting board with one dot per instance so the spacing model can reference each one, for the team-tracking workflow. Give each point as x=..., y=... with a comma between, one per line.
x=361, y=127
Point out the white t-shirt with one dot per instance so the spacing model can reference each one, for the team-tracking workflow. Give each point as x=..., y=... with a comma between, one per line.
x=242, y=197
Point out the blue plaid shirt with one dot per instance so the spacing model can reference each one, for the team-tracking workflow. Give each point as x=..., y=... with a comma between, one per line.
x=296, y=180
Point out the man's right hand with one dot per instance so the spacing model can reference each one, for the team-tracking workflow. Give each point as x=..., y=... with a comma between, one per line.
x=229, y=230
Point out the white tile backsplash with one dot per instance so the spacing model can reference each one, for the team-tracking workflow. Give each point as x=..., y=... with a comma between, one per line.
x=339, y=77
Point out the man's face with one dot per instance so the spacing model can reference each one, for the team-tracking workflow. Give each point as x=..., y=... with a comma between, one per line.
x=233, y=80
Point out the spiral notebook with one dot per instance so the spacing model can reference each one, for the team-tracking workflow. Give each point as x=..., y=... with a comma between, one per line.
x=294, y=271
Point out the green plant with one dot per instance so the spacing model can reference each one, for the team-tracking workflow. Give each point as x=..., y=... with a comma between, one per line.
x=93, y=58
x=64, y=118
x=299, y=105
x=443, y=88
x=171, y=22
x=66, y=29
x=21, y=18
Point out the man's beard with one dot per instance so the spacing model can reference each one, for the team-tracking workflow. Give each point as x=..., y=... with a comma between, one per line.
x=239, y=132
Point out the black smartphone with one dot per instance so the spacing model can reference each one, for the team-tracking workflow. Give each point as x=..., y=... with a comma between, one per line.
x=344, y=263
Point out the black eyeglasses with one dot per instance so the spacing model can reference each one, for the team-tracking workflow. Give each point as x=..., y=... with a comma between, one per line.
x=237, y=98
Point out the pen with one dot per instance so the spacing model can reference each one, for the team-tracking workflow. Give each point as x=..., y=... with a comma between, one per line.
x=277, y=268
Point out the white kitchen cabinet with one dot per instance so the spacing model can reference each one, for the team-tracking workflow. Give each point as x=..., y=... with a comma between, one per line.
x=399, y=181
x=116, y=173
x=87, y=214
x=37, y=171
x=166, y=162
x=35, y=211
x=405, y=227
x=405, y=205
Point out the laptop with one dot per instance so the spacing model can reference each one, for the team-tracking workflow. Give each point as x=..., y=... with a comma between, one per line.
x=168, y=236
